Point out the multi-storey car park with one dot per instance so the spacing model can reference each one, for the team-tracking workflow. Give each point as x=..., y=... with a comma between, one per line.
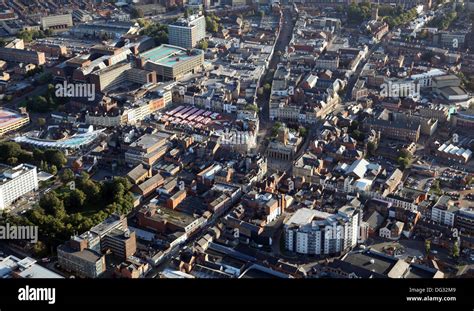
x=171, y=62
x=12, y=121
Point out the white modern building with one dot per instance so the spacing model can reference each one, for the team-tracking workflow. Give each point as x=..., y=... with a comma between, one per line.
x=444, y=211
x=187, y=32
x=15, y=182
x=318, y=233
x=56, y=21
x=425, y=79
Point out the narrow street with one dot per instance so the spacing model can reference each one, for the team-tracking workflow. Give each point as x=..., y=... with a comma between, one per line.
x=353, y=79
x=263, y=103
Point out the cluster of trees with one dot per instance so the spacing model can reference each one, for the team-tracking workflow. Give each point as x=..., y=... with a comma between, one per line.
x=252, y=107
x=357, y=13
x=154, y=30
x=12, y=154
x=398, y=16
x=276, y=127
x=302, y=131
x=404, y=159
x=203, y=44
x=44, y=103
x=394, y=16
x=212, y=22
x=443, y=22
x=50, y=156
x=30, y=35
x=65, y=212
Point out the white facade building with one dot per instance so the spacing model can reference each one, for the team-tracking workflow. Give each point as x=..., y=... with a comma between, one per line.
x=188, y=32
x=15, y=182
x=318, y=233
x=444, y=212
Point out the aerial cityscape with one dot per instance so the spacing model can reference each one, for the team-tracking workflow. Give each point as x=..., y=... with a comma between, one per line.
x=236, y=139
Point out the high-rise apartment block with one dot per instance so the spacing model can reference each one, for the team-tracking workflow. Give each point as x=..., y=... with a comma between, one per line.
x=187, y=32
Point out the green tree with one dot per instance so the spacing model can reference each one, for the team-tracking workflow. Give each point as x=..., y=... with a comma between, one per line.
x=405, y=154
x=41, y=122
x=67, y=175
x=302, y=131
x=25, y=157
x=403, y=162
x=456, y=249
x=443, y=21
x=212, y=24
x=9, y=150
x=82, y=180
x=251, y=107
x=50, y=203
x=38, y=155
x=203, y=45
x=25, y=35
x=143, y=22
x=427, y=246
x=276, y=127
x=55, y=157
x=12, y=161
x=76, y=200
x=53, y=169
x=30, y=35
x=92, y=190
x=356, y=14
x=40, y=249
x=156, y=31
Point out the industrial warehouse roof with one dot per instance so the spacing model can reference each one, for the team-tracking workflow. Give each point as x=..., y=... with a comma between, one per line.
x=455, y=150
